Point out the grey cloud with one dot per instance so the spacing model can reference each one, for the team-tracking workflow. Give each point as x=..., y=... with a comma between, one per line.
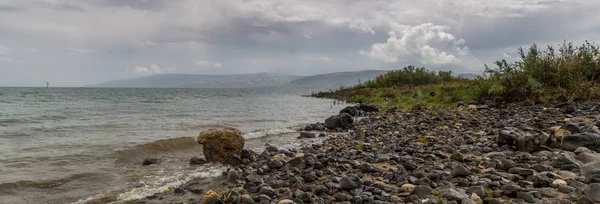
x=293, y=36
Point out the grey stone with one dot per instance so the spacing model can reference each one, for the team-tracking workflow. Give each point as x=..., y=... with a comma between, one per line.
x=588, y=140
x=592, y=192
x=422, y=191
x=527, y=143
x=308, y=135
x=347, y=184
x=571, y=127
x=460, y=170
x=454, y=194
x=565, y=161
x=585, y=200
x=588, y=157
x=343, y=120
x=479, y=190
x=527, y=197
x=267, y=190
x=352, y=110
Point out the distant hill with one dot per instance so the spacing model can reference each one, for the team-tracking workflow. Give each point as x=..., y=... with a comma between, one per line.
x=201, y=81
x=336, y=79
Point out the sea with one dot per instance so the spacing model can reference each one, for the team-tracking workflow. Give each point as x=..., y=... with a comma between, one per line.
x=77, y=145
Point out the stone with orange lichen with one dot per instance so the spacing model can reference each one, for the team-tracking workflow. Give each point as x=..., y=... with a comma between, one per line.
x=219, y=144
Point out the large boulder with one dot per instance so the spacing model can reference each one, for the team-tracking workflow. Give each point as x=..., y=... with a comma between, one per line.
x=368, y=108
x=589, y=140
x=220, y=144
x=352, y=110
x=343, y=120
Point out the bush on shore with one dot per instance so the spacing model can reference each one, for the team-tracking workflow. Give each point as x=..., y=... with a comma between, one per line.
x=571, y=73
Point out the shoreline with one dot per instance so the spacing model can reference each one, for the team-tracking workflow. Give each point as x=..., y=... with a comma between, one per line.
x=436, y=155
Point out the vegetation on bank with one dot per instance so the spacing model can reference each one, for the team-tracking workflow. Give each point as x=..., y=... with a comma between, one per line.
x=571, y=73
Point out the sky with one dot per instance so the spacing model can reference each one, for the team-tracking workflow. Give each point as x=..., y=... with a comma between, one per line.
x=76, y=43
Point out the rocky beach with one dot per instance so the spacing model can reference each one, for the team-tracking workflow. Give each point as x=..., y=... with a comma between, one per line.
x=472, y=153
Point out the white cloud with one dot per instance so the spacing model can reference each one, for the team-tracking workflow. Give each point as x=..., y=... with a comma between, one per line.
x=361, y=25
x=218, y=64
x=80, y=51
x=202, y=63
x=29, y=49
x=306, y=36
x=153, y=69
x=5, y=59
x=326, y=59
x=427, y=43
x=3, y=50
x=506, y=56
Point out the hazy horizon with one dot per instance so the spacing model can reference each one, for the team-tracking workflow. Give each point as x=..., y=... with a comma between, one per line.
x=73, y=43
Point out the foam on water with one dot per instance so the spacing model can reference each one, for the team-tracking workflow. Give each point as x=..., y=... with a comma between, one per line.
x=166, y=183
x=268, y=132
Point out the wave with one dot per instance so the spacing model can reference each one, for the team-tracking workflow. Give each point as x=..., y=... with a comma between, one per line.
x=39, y=119
x=269, y=132
x=157, y=184
x=7, y=122
x=45, y=183
x=169, y=144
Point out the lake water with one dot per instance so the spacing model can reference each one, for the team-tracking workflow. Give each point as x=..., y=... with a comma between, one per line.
x=65, y=145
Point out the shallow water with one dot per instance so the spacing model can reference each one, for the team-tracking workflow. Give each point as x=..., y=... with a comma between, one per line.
x=64, y=145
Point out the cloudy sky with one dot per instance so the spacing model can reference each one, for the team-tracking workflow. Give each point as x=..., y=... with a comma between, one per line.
x=75, y=43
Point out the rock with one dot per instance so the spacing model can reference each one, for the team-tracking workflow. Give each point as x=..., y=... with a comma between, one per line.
x=286, y=201
x=571, y=127
x=476, y=198
x=454, y=194
x=275, y=164
x=307, y=135
x=565, y=161
x=352, y=110
x=559, y=182
x=407, y=187
x=195, y=188
x=150, y=161
x=268, y=191
x=422, y=191
x=510, y=190
x=472, y=107
x=347, y=184
x=588, y=140
x=565, y=189
x=527, y=197
x=568, y=109
x=588, y=157
x=197, y=161
x=506, y=137
x=597, y=123
x=479, y=190
x=219, y=144
x=592, y=192
x=233, y=160
x=585, y=200
x=246, y=199
x=521, y=171
x=460, y=170
x=232, y=176
x=527, y=143
x=483, y=107
x=297, y=162
x=368, y=108
x=342, y=120
x=315, y=127
x=591, y=172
